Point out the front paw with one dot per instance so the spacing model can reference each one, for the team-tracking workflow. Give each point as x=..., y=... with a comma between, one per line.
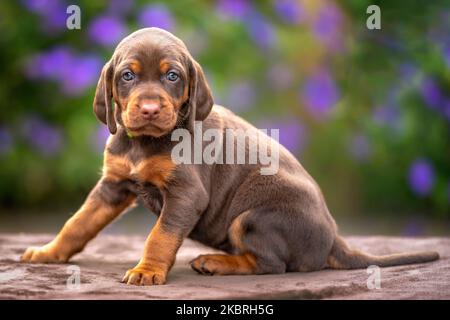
x=43, y=254
x=139, y=276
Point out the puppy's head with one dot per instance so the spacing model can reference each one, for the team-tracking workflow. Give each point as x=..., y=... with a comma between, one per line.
x=154, y=83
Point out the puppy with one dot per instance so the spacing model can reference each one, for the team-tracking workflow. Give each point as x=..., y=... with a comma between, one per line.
x=265, y=223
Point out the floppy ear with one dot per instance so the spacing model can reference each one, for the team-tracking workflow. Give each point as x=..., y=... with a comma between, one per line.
x=103, y=95
x=200, y=96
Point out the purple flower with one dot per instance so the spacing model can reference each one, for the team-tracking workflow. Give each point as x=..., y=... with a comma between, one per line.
x=290, y=11
x=320, y=94
x=421, y=177
x=6, y=141
x=107, y=30
x=414, y=227
x=359, y=147
x=156, y=15
x=407, y=71
x=260, y=30
x=56, y=20
x=100, y=137
x=435, y=98
x=446, y=54
x=279, y=77
x=390, y=42
x=49, y=64
x=292, y=133
x=258, y=27
x=82, y=74
x=73, y=73
x=120, y=7
x=292, y=136
x=52, y=12
x=40, y=6
x=42, y=136
x=386, y=115
x=233, y=9
x=241, y=96
x=327, y=27
x=431, y=93
x=390, y=117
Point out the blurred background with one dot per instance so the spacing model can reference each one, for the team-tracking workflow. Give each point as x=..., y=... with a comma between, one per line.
x=367, y=112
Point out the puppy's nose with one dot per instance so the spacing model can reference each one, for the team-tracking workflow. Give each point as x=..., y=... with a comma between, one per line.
x=150, y=111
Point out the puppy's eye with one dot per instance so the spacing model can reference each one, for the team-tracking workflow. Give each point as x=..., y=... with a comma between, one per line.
x=128, y=76
x=172, y=76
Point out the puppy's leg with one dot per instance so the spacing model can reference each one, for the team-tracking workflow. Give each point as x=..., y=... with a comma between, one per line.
x=222, y=264
x=182, y=209
x=255, y=250
x=158, y=257
x=105, y=202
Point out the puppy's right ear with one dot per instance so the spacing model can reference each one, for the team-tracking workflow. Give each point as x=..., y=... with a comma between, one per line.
x=103, y=95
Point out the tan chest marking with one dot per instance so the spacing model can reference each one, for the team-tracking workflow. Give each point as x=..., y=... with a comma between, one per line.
x=156, y=169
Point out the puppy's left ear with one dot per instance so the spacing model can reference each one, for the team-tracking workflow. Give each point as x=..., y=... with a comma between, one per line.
x=200, y=95
x=103, y=95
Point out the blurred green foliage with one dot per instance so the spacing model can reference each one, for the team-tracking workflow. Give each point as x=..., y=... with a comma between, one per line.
x=366, y=111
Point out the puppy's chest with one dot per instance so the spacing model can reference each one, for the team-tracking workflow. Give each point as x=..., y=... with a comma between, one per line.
x=156, y=169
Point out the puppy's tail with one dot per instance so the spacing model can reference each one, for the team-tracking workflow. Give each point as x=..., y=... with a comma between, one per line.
x=342, y=257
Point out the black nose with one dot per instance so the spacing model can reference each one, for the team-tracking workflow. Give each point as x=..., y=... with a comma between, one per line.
x=150, y=111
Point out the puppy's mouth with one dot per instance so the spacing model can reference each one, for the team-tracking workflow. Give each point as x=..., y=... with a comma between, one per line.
x=154, y=128
x=139, y=128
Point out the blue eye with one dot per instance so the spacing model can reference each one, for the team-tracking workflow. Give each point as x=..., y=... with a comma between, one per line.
x=172, y=76
x=128, y=76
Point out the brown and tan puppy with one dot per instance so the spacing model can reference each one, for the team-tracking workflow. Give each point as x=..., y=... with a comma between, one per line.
x=266, y=223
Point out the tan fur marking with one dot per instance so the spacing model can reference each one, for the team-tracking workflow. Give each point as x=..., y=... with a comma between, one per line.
x=135, y=66
x=333, y=263
x=116, y=167
x=156, y=170
x=164, y=66
x=185, y=94
x=235, y=232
